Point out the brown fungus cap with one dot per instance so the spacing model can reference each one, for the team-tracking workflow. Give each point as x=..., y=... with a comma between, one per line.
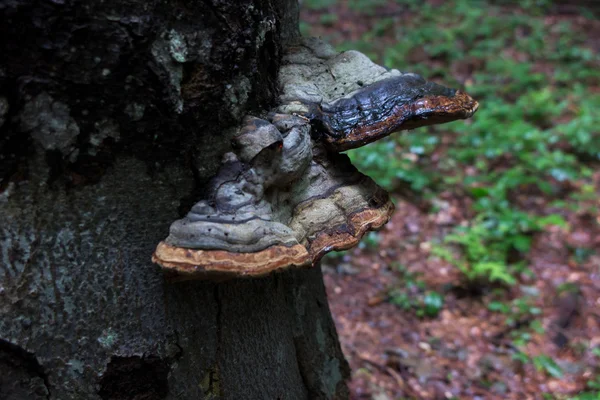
x=286, y=208
x=182, y=264
x=284, y=197
x=351, y=101
x=399, y=103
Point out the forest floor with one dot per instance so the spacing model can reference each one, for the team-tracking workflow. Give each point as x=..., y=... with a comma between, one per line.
x=486, y=282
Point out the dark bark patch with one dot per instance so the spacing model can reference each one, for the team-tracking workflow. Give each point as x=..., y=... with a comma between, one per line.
x=22, y=375
x=135, y=378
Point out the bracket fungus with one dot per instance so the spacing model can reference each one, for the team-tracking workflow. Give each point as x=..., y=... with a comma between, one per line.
x=284, y=196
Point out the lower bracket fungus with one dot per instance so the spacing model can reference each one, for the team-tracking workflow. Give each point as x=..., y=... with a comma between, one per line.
x=284, y=197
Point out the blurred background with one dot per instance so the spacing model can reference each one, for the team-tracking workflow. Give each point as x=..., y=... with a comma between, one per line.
x=486, y=282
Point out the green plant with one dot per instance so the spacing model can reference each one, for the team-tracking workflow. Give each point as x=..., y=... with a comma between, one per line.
x=411, y=294
x=521, y=319
x=593, y=393
x=548, y=365
x=482, y=249
x=328, y=19
x=433, y=303
x=318, y=4
x=366, y=6
x=369, y=241
x=385, y=162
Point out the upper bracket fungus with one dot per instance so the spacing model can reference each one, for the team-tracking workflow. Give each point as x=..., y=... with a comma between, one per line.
x=284, y=197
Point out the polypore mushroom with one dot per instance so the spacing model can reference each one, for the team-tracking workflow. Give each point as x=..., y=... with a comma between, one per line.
x=280, y=200
x=284, y=197
x=351, y=101
x=398, y=103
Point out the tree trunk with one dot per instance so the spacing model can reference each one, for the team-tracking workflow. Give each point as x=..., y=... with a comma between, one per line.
x=113, y=116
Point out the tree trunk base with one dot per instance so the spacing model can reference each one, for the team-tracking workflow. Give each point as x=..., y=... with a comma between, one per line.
x=86, y=315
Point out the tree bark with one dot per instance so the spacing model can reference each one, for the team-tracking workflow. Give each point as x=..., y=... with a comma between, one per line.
x=113, y=116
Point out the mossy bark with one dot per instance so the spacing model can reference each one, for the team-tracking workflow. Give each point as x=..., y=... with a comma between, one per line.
x=113, y=116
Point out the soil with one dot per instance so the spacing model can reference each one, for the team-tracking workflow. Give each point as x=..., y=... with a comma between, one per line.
x=466, y=351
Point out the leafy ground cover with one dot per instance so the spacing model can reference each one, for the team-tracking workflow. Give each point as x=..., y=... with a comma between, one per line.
x=486, y=283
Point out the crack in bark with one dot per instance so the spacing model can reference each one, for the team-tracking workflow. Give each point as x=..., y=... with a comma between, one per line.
x=218, y=14
x=214, y=384
x=300, y=367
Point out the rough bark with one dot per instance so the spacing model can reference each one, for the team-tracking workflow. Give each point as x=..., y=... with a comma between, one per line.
x=113, y=115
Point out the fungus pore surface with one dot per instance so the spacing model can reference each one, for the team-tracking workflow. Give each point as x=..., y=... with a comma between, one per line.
x=284, y=196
